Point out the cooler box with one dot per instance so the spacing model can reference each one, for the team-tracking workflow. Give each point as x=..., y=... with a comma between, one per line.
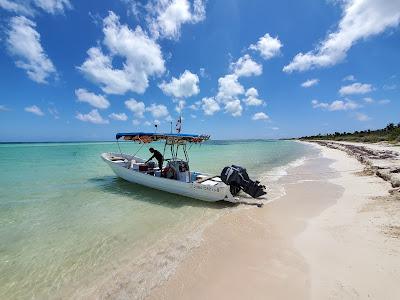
x=143, y=168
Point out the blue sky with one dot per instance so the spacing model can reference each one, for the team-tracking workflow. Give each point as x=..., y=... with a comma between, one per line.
x=84, y=70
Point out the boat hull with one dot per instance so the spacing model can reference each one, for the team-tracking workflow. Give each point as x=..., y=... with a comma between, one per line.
x=194, y=190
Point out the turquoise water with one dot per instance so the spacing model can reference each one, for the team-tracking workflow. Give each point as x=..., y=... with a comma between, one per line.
x=69, y=227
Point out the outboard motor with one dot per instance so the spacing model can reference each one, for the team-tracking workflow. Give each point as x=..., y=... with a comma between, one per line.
x=238, y=179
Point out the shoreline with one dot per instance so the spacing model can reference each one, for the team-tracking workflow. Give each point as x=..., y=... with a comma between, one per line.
x=266, y=253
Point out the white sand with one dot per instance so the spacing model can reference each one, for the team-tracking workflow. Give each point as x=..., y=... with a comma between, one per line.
x=327, y=238
x=347, y=248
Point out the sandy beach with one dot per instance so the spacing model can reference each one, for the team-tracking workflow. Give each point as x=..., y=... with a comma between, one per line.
x=335, y=234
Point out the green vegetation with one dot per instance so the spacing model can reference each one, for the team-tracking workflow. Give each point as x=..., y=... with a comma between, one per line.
x=391, y=133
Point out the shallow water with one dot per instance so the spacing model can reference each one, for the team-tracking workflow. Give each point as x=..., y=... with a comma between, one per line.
x=68, y=225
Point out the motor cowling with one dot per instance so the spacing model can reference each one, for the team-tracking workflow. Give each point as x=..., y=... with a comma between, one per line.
x=238, y=179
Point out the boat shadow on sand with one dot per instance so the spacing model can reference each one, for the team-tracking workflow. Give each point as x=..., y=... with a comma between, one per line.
x=136, y=192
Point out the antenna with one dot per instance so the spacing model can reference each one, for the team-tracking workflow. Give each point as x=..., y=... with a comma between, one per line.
x=156, y=126
x=171, y=126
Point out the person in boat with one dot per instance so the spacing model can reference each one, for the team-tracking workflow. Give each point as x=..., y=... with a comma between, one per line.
x=158, y=156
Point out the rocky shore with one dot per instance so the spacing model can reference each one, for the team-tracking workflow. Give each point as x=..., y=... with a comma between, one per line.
x=382, y=160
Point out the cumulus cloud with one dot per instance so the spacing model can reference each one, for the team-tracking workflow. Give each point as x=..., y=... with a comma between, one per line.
x=137, y=107
x=92, y=117
x=118, y=117
x=260, y=116
x=229, y=88
x=209, y=106
x=34, y=110
x=135, y=122
x=252, y=97
x=234, y=108
x=185, y=86
x=356, y=88
x=142, y=59
x=267, y=46
x=98, y=101
x=310, y=83
x=166, y=17
x=28, y=8
x=360, y=19
x=335, y=105
x=23, y=42
x=362, y=117
x=246, y=67
x=158, y=110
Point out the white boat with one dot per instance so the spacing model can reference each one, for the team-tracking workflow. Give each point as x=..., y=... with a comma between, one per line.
x=176, y=177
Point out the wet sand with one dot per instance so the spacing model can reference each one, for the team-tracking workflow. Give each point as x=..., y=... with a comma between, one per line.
x=333, y=235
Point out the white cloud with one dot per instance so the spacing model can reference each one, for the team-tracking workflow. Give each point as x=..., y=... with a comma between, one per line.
x=360, y=20
x=229, y=88
x=335, y=105
x=34, y=110
x=193, y=116
x=167, y=16
x=260, y=116
x=93, y=117
x=118, y=117
x=275, y=128
x=267, y=46
x=28, y=8
x=53, y=6
x=203, y=73
x=234, y=108
x=370, y=100
x=158, y=110
x=349, y=78
x=138, y=108
x=98, y=101
x=135, y=122
x=195, y=106
x=185, y=86
x=142, y=59
x=16, y=7
x=252, y=97
x=147, y=123
x=210, y=106
x=362, y=117
x=310, y=83
x=53, y=111
x=356, y=88
x=23, y=42
x=180, y=106
x=246, y=67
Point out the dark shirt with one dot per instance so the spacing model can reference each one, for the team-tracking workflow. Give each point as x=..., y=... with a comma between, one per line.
x=157, y=155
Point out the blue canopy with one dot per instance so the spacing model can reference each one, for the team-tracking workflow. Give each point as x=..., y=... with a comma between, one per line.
x=147, y=137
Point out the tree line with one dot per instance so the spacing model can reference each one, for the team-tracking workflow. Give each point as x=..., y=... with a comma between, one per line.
x=391, y=133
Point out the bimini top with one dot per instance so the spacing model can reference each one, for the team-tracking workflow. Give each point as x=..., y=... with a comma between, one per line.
x=145, y=137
